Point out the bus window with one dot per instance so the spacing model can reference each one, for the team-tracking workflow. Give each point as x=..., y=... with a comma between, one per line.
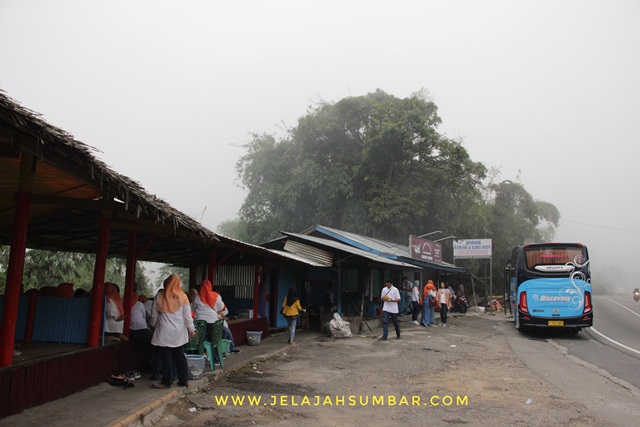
x=552, y=256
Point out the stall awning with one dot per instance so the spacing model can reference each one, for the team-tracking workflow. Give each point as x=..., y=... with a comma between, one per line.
x=332, y=244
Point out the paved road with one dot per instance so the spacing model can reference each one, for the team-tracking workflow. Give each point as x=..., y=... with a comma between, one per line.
x=618, y=318
x=590, y=366
x=614, y=343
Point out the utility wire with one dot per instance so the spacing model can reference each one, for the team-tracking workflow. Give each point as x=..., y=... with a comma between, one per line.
x=601, y=226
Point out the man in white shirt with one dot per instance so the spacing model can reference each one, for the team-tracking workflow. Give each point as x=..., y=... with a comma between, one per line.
x=391, y=297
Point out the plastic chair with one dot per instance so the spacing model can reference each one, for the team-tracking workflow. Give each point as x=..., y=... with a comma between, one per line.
x=196, y=344
x=226, y=346
x=215, y=345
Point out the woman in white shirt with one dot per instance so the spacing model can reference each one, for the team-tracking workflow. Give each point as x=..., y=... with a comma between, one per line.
x=114, y=312
x=444, y=303
x=207, y=306
x=171, y=318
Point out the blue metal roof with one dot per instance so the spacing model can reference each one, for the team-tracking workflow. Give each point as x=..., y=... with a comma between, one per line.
x=352, y=250
x=382, y=248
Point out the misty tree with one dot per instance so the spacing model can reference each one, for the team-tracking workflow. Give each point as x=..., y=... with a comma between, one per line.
x=377, y=165
x=373, y=164
x=4, y=262
x=50, y=268
x=515, y=218
x=232, y=228
x=165, y=270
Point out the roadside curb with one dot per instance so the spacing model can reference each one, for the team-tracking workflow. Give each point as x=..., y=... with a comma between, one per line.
x=137, y=418
x=139, y=415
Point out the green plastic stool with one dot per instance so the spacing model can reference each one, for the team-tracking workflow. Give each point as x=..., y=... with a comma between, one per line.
x=208, y=348
x=226, y=347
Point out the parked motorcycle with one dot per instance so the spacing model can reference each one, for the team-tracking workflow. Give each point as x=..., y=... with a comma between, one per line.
x=636, y=295
x=460, y=304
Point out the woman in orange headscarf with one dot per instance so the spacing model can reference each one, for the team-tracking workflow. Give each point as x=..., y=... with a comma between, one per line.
x=207, y=306
x=114, y=323
x=171, y=317
x=428, y=311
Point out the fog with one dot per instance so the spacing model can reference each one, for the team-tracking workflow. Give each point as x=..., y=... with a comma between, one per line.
x=169, y=91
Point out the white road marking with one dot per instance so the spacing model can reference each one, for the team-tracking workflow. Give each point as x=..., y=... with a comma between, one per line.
x=614, y=341
x=626, y=308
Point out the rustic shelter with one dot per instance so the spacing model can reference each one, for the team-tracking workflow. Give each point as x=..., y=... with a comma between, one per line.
x=55, y=194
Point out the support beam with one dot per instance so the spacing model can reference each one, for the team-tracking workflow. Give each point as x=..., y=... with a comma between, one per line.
x=256, y=290
x=129, y=279
x=97, y=292
x=15, y=268
x=211, y=270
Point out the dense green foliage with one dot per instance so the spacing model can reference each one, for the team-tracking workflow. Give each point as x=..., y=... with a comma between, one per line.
x=376, y=165
x=50, y=268
x=373, y=165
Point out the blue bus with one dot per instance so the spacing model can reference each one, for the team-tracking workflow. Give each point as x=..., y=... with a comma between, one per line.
x=550, y=286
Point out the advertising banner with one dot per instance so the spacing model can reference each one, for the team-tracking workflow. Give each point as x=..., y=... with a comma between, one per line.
x=477, y=248
x=425, y=250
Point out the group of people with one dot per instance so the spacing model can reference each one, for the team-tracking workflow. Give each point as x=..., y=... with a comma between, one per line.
x=170, y=325
x=426, y=301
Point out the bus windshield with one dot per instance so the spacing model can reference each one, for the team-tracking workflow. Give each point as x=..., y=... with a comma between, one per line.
x=540, y=256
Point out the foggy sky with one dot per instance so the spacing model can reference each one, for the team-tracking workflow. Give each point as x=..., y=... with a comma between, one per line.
x=169, y=91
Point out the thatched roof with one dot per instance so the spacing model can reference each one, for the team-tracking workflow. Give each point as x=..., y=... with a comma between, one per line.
x=72, y=187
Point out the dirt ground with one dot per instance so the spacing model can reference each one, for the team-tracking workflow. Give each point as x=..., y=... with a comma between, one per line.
x=465, y=373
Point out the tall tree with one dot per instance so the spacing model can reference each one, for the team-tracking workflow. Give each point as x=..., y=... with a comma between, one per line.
x=515, y=218
x=373, y=164
x=377, y=165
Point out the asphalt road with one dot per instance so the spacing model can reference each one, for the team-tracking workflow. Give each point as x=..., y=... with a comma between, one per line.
x=614, y=340
x=598, y=367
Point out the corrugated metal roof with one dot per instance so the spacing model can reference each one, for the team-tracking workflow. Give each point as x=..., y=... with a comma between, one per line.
x=386, y=249
x=365, y=243
x=352, y=250
x=316, y=254
x=300, y=258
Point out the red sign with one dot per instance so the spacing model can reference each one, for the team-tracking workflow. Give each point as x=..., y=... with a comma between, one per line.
x=425, y=250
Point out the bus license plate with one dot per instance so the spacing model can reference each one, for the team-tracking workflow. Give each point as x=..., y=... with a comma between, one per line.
x=555, y=323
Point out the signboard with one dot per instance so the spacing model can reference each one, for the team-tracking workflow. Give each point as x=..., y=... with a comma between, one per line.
x=478, y=248
x=425, y=250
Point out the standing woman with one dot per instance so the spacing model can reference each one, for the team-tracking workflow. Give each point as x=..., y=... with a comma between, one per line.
x=428, y=309
x=171, y=317
x=444, y=303
x=291, y=308
x=114, y=313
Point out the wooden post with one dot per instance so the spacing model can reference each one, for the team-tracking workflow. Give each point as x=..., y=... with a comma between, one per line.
x=16, y=261
x=130, y=277
x=97, y=292
x=256, y=290
x=473, y=289
x=212, y=267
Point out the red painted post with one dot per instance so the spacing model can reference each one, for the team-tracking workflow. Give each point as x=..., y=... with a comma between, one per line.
x=129, y=279
x=97, y=292
x=14, y=278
